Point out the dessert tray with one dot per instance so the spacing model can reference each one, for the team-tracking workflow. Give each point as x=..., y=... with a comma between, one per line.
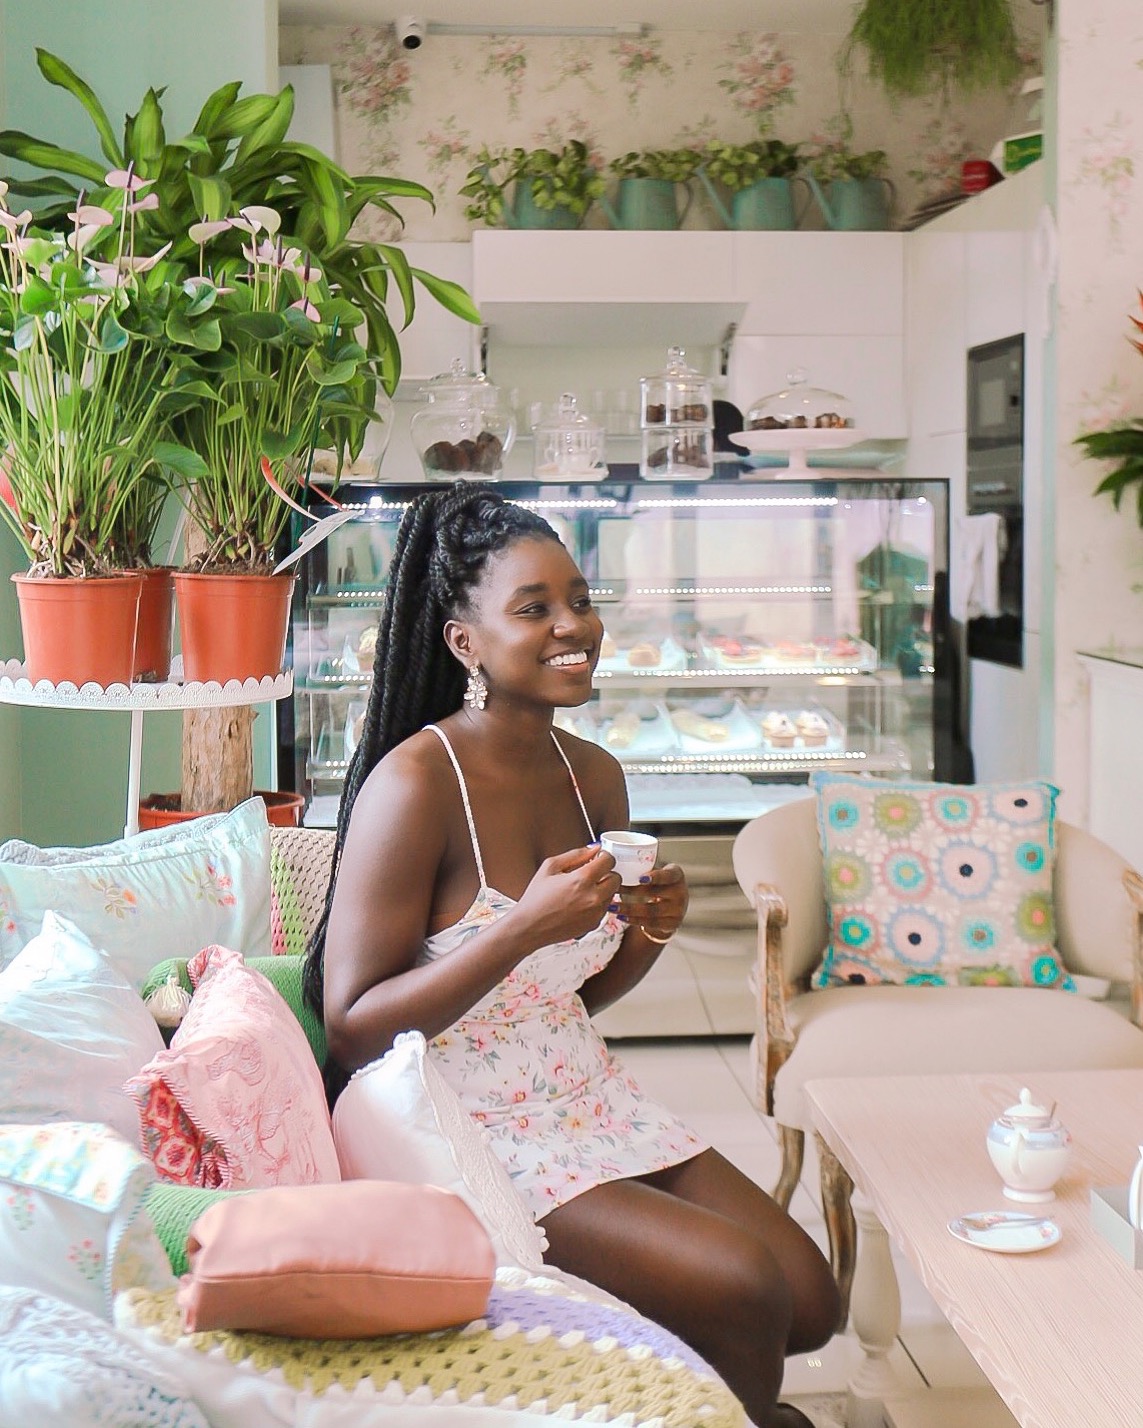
x=651, y=657
x=796, y=441
x=743, y=654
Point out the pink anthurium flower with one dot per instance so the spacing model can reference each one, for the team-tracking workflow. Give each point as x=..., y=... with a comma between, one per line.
x=191, y=286
x=305, y=306
x=3, y=188
x=126, y=179
x=260, y=217
x=146, y=203
x=203, y=232
x=14, y=221
x=89, y=214
x=143, y=265
x=7, y=495
x=273, y=483
x=83, y=235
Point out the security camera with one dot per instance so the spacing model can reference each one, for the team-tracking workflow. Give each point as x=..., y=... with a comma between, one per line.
x=410, y=32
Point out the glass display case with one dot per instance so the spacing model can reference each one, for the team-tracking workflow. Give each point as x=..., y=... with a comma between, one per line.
x=755, y=631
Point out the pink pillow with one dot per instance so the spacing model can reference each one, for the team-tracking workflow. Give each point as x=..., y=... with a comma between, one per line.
x=237, y=1101
x=341, y=1261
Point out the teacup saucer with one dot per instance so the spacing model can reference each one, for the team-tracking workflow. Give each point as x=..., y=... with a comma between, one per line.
x=1005, y=1231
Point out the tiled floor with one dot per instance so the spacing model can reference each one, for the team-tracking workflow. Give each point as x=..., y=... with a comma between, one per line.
x=705, y=1080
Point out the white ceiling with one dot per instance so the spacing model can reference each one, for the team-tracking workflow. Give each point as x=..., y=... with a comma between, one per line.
x=721, y=15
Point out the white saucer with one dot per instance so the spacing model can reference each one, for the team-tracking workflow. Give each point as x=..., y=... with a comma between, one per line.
x=1005, y=1231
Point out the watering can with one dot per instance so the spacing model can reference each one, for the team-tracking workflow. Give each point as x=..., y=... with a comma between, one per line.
x=524, y=212
x=766, y=203
x=646, y=203
x=851, y=203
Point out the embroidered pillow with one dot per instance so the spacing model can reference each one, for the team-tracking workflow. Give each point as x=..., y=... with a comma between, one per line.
x=146, y=899
x=72, y=1029
x=237, y=1101
x=70, y=1194
x=399, y=1119
x=543, y=1352
x=932, y=884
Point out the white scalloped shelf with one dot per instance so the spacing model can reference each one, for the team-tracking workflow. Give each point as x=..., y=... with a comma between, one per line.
x=17, y=688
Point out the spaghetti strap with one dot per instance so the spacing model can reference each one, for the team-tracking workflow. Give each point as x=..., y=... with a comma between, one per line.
x=443, y=737
x=575, y=785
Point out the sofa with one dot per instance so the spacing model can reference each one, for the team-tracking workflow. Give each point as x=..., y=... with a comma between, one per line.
x=160, y=1074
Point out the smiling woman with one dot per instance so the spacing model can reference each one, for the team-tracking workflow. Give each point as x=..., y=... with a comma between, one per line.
x=471, y=901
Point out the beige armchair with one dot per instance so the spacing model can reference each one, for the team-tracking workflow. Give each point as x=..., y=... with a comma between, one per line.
x=890, y=1030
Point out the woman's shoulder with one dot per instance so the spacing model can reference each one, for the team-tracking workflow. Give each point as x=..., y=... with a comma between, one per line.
x=594, y=766
x=416, y=769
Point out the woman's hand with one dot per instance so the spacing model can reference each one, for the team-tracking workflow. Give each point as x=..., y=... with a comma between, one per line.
x=656, y=906
x=568, y=895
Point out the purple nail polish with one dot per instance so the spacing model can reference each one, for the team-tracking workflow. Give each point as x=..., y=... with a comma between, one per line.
x=645, y=878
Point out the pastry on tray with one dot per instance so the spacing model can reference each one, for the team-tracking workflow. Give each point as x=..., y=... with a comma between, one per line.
x=733, y=650
x=812, y=729
x=779, y=730
x=710, y=731
x=644, y=655
x=607, y=647
x=629, y=722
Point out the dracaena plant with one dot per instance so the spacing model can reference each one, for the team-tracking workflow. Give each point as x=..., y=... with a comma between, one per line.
x=1122, y=445
x=237, y=156
x=83, y=378
x=281, y=374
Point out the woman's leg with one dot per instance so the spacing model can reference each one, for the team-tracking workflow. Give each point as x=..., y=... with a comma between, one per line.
x=718, y=1275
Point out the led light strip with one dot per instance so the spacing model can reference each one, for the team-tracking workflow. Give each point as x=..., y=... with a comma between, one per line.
x=735, y=501
x=734, y=590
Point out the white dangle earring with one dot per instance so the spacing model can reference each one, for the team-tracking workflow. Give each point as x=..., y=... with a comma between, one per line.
x=476, y=690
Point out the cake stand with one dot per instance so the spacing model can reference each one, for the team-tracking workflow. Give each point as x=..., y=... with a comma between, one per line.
x=795, y=442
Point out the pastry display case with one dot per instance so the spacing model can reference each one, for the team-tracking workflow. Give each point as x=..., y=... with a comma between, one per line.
x=753, y=633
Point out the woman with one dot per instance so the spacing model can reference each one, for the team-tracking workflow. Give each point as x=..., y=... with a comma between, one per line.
x=471, y=901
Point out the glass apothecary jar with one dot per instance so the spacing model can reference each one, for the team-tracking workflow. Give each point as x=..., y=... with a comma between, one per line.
x=567, y=444
x=464, y=428
x=676, y=396
x=677, y=453
x=800, y=406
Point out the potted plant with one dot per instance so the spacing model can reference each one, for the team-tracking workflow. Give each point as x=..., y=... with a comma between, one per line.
x=758, y=176
x=83, y=380
x=646, y=197
x=1121, y=443
x=916, y=49
x=550, y=188
x=851, y=186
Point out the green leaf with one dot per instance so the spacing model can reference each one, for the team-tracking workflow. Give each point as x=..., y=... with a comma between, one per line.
x=211, y=196
x=147, y=136
x=56, y=72
x=23, y=334
x=243, y=116
x=181, y=460
x=42, y=188
x=270, y=131
x=217, y=105
x=41, y=155
x=112, y=337
x=37, y=297
x=261, y=326
x=402, y=276
x=450, y=295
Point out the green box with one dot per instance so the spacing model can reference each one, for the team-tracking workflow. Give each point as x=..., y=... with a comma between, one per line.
x=1021, y=150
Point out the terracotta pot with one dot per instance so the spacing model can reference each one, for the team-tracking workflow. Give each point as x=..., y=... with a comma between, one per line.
x=233, y=626
x=80, y=629
x=153, y=637
x=160, y=810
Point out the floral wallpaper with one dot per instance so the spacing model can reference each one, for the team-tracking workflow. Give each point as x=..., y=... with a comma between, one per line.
x=427, y=114
x=1097, y=552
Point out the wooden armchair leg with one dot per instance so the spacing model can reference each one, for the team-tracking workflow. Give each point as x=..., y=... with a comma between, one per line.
x=837, y=1192
x=793, y=1143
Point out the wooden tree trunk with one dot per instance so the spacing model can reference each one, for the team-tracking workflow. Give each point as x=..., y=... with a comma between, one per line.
x=218, y=744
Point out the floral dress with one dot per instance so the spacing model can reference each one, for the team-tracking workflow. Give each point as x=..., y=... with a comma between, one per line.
x=561, y=1112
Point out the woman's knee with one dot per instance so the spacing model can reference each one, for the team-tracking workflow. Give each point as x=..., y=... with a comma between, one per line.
x=816, y=1309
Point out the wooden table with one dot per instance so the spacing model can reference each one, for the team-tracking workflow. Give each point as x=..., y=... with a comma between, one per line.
x=1059, y=1333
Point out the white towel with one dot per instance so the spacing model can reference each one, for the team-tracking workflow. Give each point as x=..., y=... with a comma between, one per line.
x=979, y=543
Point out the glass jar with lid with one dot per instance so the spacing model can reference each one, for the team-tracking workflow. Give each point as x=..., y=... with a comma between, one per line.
x=676, y=396
x=568, y=445
x=800, y=406
x=464, y=428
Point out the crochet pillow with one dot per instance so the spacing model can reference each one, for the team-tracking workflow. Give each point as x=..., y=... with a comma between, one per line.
x=70, y=1193
x=61, y=1367
x=399, y=1119
x=344, y=1261
x=237, y=1101
x=542, y=1353
x=151, y=897
x=932, y=884
x=72, y=1030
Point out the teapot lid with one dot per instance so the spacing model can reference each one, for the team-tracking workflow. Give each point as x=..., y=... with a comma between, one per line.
x=1026, y=1110
x=460, y=384
x=566, y=416
x=676, y=368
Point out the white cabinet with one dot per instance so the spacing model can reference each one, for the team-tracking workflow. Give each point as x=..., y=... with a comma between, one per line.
x=436, y=337
x=994, y=293
x=849, y=284
x=935, y=340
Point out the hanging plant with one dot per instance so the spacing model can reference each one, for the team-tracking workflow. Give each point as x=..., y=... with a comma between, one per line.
x=915, y=46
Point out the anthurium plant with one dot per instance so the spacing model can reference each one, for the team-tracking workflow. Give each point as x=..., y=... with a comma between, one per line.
x=282, y=373
x=1121, y=444
x=560, y=178
x=84, y=377
x=738, y=166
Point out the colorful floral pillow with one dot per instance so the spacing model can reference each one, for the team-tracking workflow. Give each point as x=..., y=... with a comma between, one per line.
x=152, y=898
x=931, y=884
x=237, y=1101
x=70, y=1227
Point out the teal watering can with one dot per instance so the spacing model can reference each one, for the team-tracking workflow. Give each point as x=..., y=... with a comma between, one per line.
x=524, y=212
x=646, y=203
x=766, y=203
x=850, y=204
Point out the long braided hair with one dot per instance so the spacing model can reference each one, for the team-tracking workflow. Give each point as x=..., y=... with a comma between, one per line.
x=442, y=546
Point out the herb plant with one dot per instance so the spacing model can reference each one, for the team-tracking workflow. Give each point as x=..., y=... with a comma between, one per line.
x=917, y=46
x=672, y=165
x=562, y=178
x=738, y=166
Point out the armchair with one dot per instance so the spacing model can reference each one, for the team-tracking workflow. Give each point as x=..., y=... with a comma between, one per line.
x=898, y=1030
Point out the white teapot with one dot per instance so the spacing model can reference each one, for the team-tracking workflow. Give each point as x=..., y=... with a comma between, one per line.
x=1029, y=1149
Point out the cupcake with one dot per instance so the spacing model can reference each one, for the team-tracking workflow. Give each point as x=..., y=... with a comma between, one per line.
x=779, y=730
x=812, y=729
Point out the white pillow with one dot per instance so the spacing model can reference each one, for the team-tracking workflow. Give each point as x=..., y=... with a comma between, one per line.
x=72, y=1029
x=61, y=1367
x=399, y=1119
x=149, y=899
x=15, y=850
x=71, y=1225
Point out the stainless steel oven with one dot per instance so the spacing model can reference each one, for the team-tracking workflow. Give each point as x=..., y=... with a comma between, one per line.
x=994, y=484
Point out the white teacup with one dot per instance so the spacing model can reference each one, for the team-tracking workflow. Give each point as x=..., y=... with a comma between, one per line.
x=634, y=854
